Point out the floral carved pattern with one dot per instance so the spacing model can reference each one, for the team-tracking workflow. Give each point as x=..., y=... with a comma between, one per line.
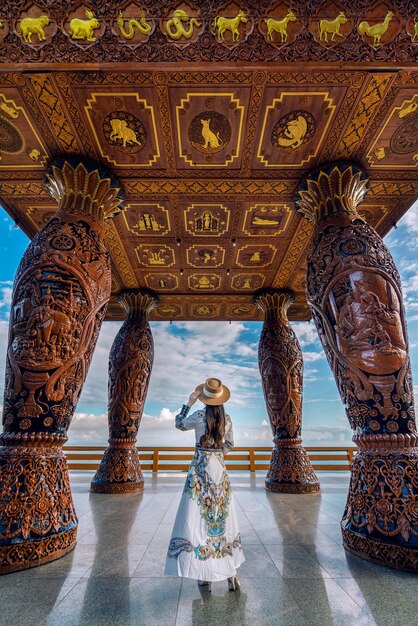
x=281, y=369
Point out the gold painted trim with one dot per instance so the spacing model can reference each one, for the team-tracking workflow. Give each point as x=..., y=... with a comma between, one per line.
x=149, y=205
x=326, y=98
x=371, y=155
x=213, y=94
x=206, y=233
x=148, y=107
x=45, y=156
x=274, y=233
x=202, y=245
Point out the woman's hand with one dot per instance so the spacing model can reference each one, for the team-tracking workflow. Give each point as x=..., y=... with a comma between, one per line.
x=193, y=397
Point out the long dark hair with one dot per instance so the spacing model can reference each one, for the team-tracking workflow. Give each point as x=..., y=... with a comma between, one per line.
x=215, y=427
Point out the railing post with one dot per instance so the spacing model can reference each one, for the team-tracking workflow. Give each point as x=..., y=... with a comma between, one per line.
x=155, y=461
x=350, y=457
x=252, y=460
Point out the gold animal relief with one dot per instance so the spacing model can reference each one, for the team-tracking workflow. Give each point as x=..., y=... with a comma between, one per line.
x=293, y=130
x=209, y=132
x=331, y=27
x=83, y=29
x=375, y=31
x=222, y=25
x=30, y=26
x=181, y=25
x=279, y=26
x=124, y=131
x=127, y=30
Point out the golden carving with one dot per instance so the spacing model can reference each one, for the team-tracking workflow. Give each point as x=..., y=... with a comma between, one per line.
x=279, y=26
x=34, y=154
x=294, y=128
x=266, y=220
x=206, y=219
x=380, y=153
x=84, y=28
x=408, y=110
x=202, y=282
x=223, y=24
x=375, y=31
x=211, y=140
x=174, y=26
x=415, y=37
x=294, y=133
x=205, y=256
x=142, y=26
x=29, y=26
x=331, y=27
x=397, y=136
x=121, y=130
x=9, y=110
x=158, y=255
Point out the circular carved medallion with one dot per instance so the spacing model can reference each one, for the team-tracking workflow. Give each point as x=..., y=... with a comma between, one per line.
x=11, y=140
x=209, y=132
x=293, y=130
x=63, y=242
x=405, y=138
x=125, y=132
x=352, y=247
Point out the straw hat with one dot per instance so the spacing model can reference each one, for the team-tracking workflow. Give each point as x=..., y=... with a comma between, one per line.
x=213, y=392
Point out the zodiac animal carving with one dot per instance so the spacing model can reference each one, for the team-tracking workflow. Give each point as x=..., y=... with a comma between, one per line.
x=279, y=26
x=377, y=30
x=211, y=140
x=229, y=23
x=294, y=133
x=121, y=130
x=84, y=28
x=174, y=26
x=331, y=27
x=129, y=33
x=415, y=37
x=33, y=26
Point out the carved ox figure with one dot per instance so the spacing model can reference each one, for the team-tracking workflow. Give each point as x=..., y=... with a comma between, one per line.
x=230, y=23
x=33, y=26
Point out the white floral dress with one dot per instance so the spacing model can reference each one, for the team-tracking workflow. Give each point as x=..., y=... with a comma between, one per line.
x=205, y=542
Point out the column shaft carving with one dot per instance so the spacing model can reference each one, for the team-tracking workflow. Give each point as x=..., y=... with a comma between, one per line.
x=59, y=300
x=354, y=291
x=281, y=369
x=130, y=365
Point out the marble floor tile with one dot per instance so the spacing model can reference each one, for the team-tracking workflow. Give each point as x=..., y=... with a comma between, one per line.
x=296, y=571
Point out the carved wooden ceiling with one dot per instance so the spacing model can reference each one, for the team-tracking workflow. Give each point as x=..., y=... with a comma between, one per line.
x=209, y=154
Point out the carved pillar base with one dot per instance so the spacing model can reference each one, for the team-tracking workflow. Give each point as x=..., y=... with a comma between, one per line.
x=290, y=469
x=380, y=521
x=120, y=469
x=37, y=516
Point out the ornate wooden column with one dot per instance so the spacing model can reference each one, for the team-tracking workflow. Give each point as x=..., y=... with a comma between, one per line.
x=281, y=369
x=355, y=295
x=130, y=365
x=60, y=295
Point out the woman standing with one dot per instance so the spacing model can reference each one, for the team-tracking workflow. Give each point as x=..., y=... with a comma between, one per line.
x=205, y=542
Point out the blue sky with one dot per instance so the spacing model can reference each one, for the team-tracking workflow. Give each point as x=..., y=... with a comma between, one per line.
x=188, y=352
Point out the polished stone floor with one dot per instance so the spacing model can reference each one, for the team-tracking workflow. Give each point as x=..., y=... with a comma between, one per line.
x=296, y=572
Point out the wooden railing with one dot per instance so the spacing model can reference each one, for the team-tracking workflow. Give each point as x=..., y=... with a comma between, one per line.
x=164, y=459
